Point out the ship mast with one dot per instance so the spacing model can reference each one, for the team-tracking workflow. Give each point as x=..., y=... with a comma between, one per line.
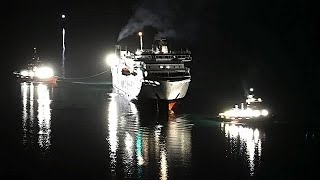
x=34, y=53
x=140, y=34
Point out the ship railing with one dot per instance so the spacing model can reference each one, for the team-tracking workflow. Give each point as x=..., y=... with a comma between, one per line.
x=184, y=58
x=169, y=74
x=151, y=51
x=175, y=78
x=180, y=52
x=180, y=70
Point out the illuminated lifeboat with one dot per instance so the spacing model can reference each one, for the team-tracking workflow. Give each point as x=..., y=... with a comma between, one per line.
x=125, y=71
x=251, y=110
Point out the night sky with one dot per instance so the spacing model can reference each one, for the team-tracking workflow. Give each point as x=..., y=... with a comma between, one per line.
x=270, y=45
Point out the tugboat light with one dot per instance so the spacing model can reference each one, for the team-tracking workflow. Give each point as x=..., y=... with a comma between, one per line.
x=24, y=73
x=264, y=112
x=243, y=113
x=44, y=72
x=31, y=73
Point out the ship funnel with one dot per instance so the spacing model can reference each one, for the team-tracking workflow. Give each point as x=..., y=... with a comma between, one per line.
x=161, y=45
x=140, y=34
x=117, y=50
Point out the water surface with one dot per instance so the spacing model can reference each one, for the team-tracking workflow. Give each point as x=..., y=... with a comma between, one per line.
x=86, y=130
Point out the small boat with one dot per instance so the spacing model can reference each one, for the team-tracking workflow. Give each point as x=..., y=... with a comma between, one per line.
x=250, y=111
x=36, y=71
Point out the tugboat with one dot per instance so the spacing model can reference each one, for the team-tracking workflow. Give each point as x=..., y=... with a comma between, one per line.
x=36, y=71
x=250, y=111
x=157, y=73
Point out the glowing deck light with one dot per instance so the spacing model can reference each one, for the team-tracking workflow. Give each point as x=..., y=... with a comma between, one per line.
x=110, y=59
x=63, y=16
x=31, y=73
x=138, y=52
x=264, y=112
x=243, y=113
x=24, y=73
x=251, y=89
x=44, y=72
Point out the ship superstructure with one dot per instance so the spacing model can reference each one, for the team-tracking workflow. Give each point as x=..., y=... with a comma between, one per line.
x=156, y=73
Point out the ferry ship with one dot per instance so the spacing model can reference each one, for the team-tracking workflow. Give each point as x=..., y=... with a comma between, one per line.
x=156, y=73
x=36, y=71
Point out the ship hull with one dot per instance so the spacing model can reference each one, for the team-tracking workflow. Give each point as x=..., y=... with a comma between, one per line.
x=51, y=80
x=166, y=90
x=247, y=121
x=136, y=87
x=128, y=85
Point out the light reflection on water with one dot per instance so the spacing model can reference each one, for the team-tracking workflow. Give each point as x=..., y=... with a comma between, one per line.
x=44, y=117
x=116, y=137
x=43, y=131
x=243, y=140
x=24, y=95
x=145, y=148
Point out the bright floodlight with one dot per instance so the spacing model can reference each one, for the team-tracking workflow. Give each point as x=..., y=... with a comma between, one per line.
x=111, y=58
x=251, y=89
x=24, y=73
x=44, y=72
x=140, y=33
x=63, y=16
x=264, y=112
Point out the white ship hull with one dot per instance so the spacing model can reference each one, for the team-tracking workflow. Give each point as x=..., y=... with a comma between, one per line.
x=167, y=90
x=152, y=74
x=129, y=85
x=135, y=87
